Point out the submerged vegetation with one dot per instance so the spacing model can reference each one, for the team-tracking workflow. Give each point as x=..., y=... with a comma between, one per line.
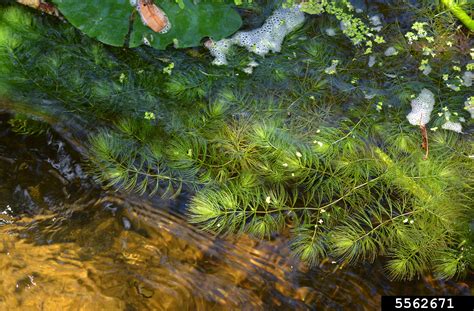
x=313, y=141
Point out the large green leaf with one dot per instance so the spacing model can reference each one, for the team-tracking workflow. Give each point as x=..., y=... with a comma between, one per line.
x=105, y=20
x=109, y=20
x=189, y=25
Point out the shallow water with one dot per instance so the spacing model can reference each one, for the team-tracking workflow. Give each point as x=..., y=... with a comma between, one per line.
x=68, y=245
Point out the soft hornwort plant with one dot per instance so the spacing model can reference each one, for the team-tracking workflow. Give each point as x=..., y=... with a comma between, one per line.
x=343, y=194
x=264, y=152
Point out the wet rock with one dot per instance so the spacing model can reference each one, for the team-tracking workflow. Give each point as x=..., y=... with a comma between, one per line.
x=143, y=290
x=25, y=283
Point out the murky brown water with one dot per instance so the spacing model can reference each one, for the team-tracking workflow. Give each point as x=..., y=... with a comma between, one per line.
x=67, y=245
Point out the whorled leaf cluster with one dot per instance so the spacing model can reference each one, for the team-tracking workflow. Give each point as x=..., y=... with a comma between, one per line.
x=286, y=149
x=341, y=193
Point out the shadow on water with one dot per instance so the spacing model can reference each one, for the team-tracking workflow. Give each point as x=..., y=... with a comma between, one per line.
x=68, y=245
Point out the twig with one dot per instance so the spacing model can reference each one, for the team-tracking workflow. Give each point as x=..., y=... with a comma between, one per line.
x=424, y=144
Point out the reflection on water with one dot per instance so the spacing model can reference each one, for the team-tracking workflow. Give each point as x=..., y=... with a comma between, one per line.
x=67, y=245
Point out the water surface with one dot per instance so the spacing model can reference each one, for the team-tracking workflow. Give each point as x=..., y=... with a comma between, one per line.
x=65, y=244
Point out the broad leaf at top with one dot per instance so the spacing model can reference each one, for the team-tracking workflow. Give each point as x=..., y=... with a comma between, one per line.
x=104, y=20
x=109, y=20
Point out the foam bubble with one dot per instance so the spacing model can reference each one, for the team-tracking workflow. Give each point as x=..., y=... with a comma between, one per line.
x=332, y=69
x=263, y=40
x=371, y=61
x=467, y=78
x=452, y=126
x=427, y=70
x=253, y=63
x=219, y=50
x=330, y=32
x=376, y=22
x=469, y=106
x=391, y=51
x=421, y=108
x=248, y=70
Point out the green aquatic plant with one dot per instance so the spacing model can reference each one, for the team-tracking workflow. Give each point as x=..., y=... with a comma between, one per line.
x=46, y=65
x=343, y=194
x=328, y=159
x=456, y=8
x=353, y=27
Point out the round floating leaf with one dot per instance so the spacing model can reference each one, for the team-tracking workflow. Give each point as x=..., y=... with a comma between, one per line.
x=189, y=24
x=105, y=20
x=109, y=20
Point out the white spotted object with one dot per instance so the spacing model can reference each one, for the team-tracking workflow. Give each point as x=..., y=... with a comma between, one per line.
x=376, y=22
x=467, y=78
x=452, y=126
x=260, y=41
x=421, y=108
x=427, y=70
x=371, y=61
x=330, y=32
x=391, y=51
x=469, y=106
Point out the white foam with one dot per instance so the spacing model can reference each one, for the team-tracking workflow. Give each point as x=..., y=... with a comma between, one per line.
x=253, y=63
x=453, y=87
x=452, y=126
x=260, y=41
x=248, y=70
x=332, y=69
x=427, y=70
x=421, y=108
x=376, y=22
x=469, y=106
x=467, y=78
x=371, y=61
x=391, y=51
x=330, y=32
x=219, y=50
